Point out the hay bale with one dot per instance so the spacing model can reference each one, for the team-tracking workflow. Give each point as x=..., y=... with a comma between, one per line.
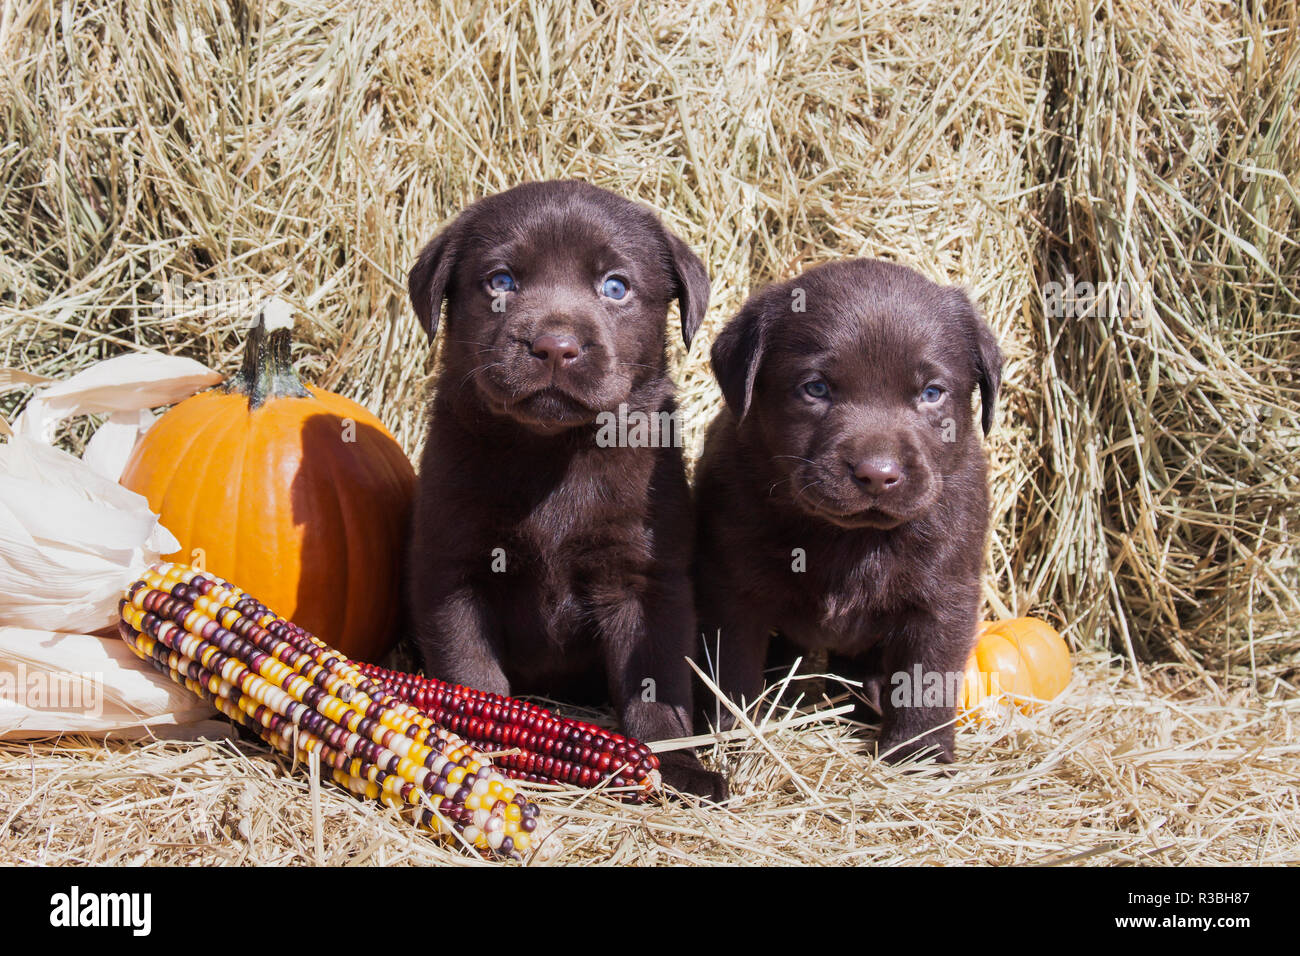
x=164, y=166
x=1171, y=469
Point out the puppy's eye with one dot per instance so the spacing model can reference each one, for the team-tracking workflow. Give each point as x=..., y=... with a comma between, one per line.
x=817, y=389
x=502, y=281
x=614, y=288
x=932, y=394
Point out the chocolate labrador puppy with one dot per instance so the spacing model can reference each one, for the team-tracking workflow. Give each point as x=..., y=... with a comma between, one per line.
x=841, y=496
x=551, y=550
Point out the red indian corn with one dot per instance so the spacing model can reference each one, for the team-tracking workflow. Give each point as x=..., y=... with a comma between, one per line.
x=528, y=741
x=305, y=699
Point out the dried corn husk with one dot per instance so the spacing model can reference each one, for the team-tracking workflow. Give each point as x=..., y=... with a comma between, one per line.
x=71, y=538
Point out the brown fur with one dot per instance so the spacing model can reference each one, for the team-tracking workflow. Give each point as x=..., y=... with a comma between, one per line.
x=881, y=492
x=595, y=596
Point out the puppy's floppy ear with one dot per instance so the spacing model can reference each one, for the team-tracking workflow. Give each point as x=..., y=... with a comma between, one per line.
x=692, y=286
x=985, y=355
x=427, y=283
x=737, y=354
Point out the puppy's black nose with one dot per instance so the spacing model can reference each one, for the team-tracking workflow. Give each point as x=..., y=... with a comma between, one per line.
x=877, y=475
x=557, y=348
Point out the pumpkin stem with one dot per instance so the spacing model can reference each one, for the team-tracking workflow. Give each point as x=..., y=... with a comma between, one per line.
x=267, y=371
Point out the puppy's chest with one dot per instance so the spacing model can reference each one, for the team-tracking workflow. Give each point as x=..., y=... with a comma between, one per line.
x=584, y=542
x=583, y=519
x=841, y=595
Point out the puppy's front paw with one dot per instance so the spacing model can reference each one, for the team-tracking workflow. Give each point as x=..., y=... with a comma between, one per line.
x=899, y=745
x=683, y=771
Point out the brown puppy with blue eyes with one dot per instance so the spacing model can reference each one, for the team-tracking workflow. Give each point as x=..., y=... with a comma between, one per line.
x=551, y=548
x=841, y=497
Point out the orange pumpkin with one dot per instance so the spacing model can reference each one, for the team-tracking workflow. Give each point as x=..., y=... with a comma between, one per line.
x=1023, y=659
x=298, y=494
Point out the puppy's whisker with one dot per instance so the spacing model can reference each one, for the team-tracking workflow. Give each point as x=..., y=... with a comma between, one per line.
x=815, y=481
x=485, y=346
x=776, y=484
x=474, y=371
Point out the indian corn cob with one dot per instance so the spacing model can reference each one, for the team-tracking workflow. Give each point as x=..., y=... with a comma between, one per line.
x=534, y=744
x=303, y=698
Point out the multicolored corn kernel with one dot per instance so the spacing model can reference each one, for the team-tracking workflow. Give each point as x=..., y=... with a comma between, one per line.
x=529, y=742
x=305, y=699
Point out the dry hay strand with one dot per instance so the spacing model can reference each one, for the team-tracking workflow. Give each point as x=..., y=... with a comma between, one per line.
x=1108, y=774
x=1172, y=436
x=163, y=167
